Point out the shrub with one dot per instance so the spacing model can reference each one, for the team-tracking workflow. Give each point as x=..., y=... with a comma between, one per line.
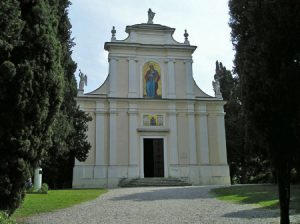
x=4, y=219
x=30, y=190
x=44, y=189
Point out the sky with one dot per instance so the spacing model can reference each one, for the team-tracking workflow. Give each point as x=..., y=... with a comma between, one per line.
x=206, y=22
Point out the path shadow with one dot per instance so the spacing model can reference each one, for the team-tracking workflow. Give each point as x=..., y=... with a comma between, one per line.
x=261, y=213
x=254, y=213
x=168, y=194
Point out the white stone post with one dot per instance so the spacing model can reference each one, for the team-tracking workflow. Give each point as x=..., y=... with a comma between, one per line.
x=37, y=178
x=189, y=79
x=192, y=134
x=203, y=135
x=132, y=79
x=171, y=79
x=112, y=77
x=133, y=141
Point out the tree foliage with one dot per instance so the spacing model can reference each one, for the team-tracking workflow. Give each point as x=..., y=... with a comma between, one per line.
x=39, y=117
x=266, y=37
x=31, y=82
x=70, y=126
x=69, y=142
x=246, y=166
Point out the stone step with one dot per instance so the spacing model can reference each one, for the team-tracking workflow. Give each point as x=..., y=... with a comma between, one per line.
x=155, y=182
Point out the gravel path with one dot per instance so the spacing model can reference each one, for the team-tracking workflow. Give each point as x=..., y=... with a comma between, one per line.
x=159, y=205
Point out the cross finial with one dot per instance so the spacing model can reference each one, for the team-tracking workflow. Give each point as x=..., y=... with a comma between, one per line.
x=186, y=36
x=113, y=34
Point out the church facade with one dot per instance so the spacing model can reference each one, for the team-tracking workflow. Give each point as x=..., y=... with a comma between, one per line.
x=150, y=119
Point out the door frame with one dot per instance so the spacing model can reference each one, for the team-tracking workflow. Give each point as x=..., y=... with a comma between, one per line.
x=166, y=174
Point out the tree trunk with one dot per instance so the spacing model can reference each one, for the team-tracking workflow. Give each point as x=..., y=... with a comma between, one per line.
x=283, y=174
x=244, y=169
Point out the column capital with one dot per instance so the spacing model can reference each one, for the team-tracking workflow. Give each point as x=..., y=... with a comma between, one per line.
x=132, y=113
x=132, y=59
x=172, y=113
x=99, y=112
x=202, y=113
x=170, y=60
x=216, y=114
x=172, y=106
x=100, y=105
x=188, y=61
x=115, y=112
x=132, y=110
x=190, y=113
x=132, y=105
x=113, y=108
x=191, y=106
x=113, y=58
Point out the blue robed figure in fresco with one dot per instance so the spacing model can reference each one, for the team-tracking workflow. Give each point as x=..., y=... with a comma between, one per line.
x=152, y=77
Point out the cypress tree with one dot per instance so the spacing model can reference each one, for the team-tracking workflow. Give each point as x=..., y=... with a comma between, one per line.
x=11, y=26
x=69, y=139
x=229, y=87
x=266, y=38
x=246, y=165
x=31, y=91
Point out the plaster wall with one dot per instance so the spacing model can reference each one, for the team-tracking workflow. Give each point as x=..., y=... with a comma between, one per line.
x=193, y=122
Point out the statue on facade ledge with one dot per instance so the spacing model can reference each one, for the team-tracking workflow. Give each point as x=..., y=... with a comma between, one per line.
x=216, y=86
x=150, y=16
x=82, y=81
x=216, y=82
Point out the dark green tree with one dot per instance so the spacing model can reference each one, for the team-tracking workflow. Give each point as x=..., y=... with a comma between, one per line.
x=266, y=38
x=69, y=137
x=31, y=82
x=246, y=166
x=229, y=87
x=11, y=26
x=69, y=142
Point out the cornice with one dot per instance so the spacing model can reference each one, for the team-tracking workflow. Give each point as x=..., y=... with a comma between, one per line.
x=108, y=45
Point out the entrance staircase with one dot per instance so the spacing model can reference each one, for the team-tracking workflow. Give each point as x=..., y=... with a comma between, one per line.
x=153, y=182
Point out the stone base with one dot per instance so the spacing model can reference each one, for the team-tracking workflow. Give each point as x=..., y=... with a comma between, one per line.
x=203, y=174
x=88, y=176
x=85, y=176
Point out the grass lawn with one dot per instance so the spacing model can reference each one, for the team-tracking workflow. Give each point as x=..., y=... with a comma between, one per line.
x=265, y=196
x=55, y=199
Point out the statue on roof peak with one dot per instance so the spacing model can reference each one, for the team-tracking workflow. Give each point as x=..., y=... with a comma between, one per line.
x=151, y=15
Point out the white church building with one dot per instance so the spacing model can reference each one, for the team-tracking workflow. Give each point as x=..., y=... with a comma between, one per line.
x=150, y=119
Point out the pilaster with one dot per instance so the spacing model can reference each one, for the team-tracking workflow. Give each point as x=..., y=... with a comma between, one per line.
x=132, y=79
x=221, y=137
x=113, y=134
x=192, y=134
x=171, y=79
x=173, y=134
x=100, y=133
x=113, y=76
x=203, y=135
x=133, y=141
x=189, y=79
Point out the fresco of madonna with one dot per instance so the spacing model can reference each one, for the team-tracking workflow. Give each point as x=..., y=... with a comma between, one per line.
x=151, y=80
